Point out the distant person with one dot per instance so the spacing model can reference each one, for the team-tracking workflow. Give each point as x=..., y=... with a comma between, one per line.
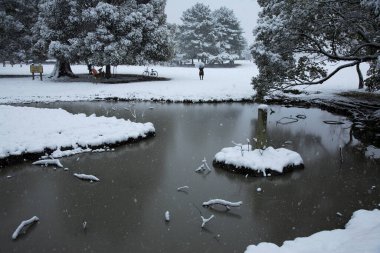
x=201, y=72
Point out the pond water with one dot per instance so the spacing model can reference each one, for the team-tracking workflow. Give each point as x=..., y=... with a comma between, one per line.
x=125, y=210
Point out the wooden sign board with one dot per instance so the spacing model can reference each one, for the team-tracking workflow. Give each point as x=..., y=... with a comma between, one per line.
x=36, y=69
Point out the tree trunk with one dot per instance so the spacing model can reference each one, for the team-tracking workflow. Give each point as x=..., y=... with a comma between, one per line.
x=360, y=75
x=108, y=71
x=62, y=68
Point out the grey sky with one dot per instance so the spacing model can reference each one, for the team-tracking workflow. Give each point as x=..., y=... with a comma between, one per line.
x=245, y=10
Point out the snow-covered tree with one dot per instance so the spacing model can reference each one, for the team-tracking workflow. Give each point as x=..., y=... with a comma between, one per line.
x=127, y=32
x=295, y=39
x=16, y=20
x=59, y=31
x=109, y=32
x=229, y=34
x=197, y=37
x=215, y=35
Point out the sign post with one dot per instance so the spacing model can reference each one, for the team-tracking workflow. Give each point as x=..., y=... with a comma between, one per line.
x=36, y=69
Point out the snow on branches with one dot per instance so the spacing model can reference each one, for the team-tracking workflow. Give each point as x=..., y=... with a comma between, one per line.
x=47, y=162
x=222, y=202
x=203, y=167
x=87, y=177
x=24, y=224
x=204, y=220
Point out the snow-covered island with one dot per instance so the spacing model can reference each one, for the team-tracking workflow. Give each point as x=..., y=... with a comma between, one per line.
x=258, y=162
x=28, y=130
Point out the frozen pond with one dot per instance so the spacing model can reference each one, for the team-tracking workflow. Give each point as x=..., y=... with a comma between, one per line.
x=125, y=210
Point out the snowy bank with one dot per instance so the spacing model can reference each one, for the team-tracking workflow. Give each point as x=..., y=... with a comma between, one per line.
x=258, y=161
x=361, y=234
x=34, y=130
x=227, y=84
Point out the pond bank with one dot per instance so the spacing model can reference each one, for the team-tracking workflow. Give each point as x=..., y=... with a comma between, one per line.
x=363, y=109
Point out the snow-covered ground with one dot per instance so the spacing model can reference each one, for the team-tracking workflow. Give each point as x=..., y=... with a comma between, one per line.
x=31, y=130
x=362, y=234
x=218, y=84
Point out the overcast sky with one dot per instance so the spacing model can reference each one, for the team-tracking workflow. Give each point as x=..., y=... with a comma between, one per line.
x=245, y=10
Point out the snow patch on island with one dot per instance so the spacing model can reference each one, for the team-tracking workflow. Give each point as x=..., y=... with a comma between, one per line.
x=372, y=152
x=33, y=130
x=361, y=234
x=259, y=160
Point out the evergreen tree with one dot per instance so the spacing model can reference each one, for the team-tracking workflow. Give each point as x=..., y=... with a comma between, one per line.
x=230, y=40
x=197, y=37
x=127, y=32
x=213, y=35
x=16, y=20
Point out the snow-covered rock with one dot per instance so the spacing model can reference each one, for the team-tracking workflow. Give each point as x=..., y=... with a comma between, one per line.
x=258, y=161
x=361, y=234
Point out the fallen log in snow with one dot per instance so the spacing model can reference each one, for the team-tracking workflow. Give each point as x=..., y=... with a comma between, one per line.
x=47, y=162
x=86, y=177
x=222, y=202
x=22, y=225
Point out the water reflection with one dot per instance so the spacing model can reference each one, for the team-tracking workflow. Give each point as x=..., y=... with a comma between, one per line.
x=125, y=210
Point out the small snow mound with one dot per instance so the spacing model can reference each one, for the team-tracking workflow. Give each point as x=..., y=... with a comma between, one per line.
x=263, y=107
x=361, y=234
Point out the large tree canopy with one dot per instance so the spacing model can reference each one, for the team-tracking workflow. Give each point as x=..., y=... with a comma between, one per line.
x=16, y=19
x=210, y=34
x=197, y=35
x=294, y=40
x=127, y=33
x=229, y=34
x=109, y=32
